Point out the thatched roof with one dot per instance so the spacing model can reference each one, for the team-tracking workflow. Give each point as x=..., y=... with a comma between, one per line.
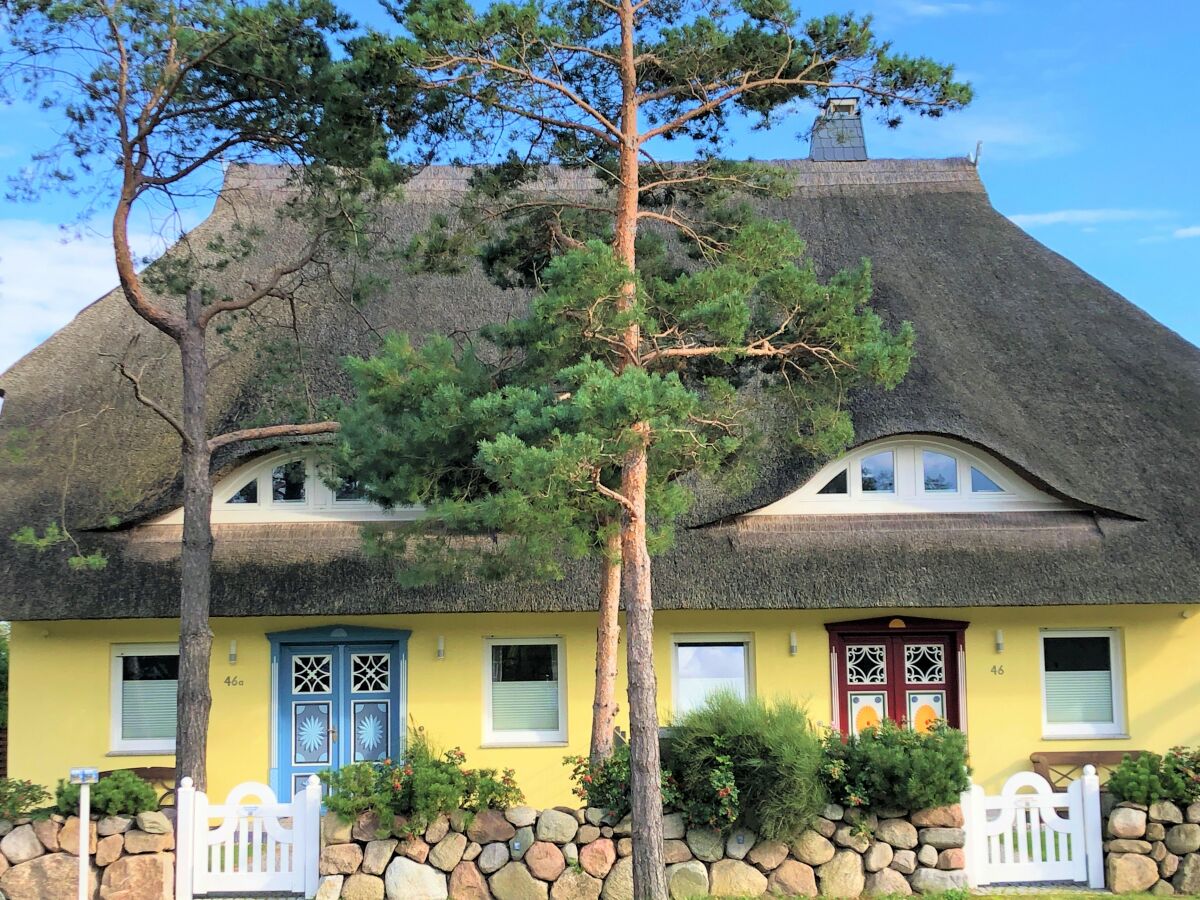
x=1019, y=352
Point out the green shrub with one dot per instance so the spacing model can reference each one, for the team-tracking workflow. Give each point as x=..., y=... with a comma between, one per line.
x=1150, y=777
x=422, y=787
x=892, y=766
x=748, y=763
x=120, y=794
x=19, y=798
x=607, y=785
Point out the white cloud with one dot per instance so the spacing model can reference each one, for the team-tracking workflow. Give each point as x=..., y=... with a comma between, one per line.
x=926, y=10
x=1191, y=231
x=1086, y=217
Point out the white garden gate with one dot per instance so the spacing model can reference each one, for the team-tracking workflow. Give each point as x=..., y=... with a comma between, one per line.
x=260, y=846
x=1030, y=833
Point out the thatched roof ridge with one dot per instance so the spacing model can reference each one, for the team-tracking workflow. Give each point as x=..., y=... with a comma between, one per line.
x=1019, y=352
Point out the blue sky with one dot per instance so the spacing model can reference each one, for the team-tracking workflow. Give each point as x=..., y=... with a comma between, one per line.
x=1086, y=112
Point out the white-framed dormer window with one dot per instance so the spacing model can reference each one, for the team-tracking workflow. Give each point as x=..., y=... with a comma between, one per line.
x=1083, y=684
x=290, y=486
x=703, y=664
x=914, y=474
x=145, y=680
x=524, y=690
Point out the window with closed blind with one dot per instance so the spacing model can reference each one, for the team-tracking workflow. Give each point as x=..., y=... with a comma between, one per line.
x=145, y=680
x=524, y=694
x=1082, y=684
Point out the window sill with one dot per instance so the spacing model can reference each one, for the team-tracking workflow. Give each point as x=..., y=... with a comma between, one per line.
x=1086, y=737
x=496, y=745
x=156, y=751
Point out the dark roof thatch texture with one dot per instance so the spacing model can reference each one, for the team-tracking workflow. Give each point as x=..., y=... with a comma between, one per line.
x=1019, y=352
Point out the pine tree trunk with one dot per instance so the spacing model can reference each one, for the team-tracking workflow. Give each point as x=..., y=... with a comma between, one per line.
x=608, y=633
x=195, y=637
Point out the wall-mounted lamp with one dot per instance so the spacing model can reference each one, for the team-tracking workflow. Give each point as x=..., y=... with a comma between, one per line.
x=233, y=653
x=1186, y=614
x=441, y=647
x=793, y=647
x=999, y=640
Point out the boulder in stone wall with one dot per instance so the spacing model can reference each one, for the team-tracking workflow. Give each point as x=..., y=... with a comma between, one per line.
x=1127, y=823
x=1168, y=865
x=740, y=842
x=625, y=847
x=334, y=830
x=1129, y=873
x=571, y=854
x=898, y=833
x=49, y=877
x=833, y=812
x=705, y=844
x=938, y=881
x=108, y=849
x=556, y=826
x=113, y=825
x=448, y=852
x=812, y=849
x=1186, y=880
x=408, y=880
x=336, y=859
x=1128, y=845
x=47, y=832
x=857, y=816
x=850, y=836
x=492, y=858
x=1162, y=889
x=1158, y=850
x=598, y=857
x=887, y=883
x=367, y=827
x=1156, y=831
x=575, y=884
x=361, y=886
x=943, y=838
x=459, y=819
x=414, y=848
x=939, y=817
x=21, y=845
x=68, y=838
x=842, y=876
x=522, y=817
x=687, y=880
x=623, y=827
x=437, y=830
x=141, y=842
x=520, y=842
x=144, y=877
x=154, y=822
x=904, y=862
x=472, y=852
x=329, y=887
x=1165, y=811
x=545, y=861
x=1193, y=813
x=514, y=882
x=824, y=827
x=927, y=856
x=793, y=879
x=468, y=883
x=878, y=856
x=734, y=878
x=6, y=825
x=593, y=815
x=954, y=858
x=675, y=852
x=377, y=854
x=674, y=827
x=586, y=834
x=619, y=883
x=490, y=825
x=1183, y=839
x=767, y=854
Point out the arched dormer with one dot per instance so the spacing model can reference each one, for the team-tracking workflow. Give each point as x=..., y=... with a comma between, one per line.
x=287, y=486
x=915, y=474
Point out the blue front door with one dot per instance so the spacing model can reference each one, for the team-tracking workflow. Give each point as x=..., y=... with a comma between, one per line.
x=339, y=702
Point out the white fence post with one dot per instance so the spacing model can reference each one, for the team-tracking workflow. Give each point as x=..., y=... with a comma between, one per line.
x=310, y=838
x=1093, y=830
x=185, y=829
x=976, y=842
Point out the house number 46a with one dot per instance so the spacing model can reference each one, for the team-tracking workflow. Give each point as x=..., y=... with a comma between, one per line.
x=234, y=681
x=997, y=670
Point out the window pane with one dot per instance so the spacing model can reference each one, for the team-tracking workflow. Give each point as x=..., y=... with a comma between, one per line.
x=248, y=493
x=525, y=687
x=148, y=689
x=941, y=471
x=1079, y=687
x=703, y=669
x=349, y=489
x=879, y=473
x=981, y=484
x=287, y=482
x=835, y=485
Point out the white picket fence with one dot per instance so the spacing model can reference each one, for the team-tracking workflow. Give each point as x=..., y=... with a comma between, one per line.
x=261, y=846
x=1031, y=833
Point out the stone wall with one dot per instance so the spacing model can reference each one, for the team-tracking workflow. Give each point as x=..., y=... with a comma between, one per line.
x=583, y=854
x=130, y=858
x=1152, y=848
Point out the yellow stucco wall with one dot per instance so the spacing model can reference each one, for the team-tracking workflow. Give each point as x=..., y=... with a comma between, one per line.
x=59, y=712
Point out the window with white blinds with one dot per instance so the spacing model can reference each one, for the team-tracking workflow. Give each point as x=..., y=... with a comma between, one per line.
x=524, y=691
x=1082, y=684
x=145, y=681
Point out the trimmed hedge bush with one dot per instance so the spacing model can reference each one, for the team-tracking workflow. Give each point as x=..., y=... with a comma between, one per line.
x=120, y=794
x=1150, y=777
x=20, y=798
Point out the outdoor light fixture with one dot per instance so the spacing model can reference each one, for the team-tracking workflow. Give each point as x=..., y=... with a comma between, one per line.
x=999, y=640
x=233, y=653
x=793, y=647
x=441, y=650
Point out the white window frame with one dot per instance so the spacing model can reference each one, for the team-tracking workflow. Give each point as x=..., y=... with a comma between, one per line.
x=1116, y=657
x=743, y=638
x=909, y=494
x=119, y=744
x=506, y=738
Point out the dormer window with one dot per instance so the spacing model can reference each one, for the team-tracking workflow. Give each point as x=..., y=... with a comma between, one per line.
x=248, y=493
x=914, y=474
x=287, y=482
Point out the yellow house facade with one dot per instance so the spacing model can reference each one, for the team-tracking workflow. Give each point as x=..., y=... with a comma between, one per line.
x=1011, y=544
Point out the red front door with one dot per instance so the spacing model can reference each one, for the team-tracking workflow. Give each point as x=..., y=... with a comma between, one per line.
x=908, y=673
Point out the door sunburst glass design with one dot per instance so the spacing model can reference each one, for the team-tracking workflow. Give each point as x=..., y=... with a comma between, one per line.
x=371, y=731
x=311, y=738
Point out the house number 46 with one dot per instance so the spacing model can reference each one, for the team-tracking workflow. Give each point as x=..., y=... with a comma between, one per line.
x=234, y=681
x=997, y=670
